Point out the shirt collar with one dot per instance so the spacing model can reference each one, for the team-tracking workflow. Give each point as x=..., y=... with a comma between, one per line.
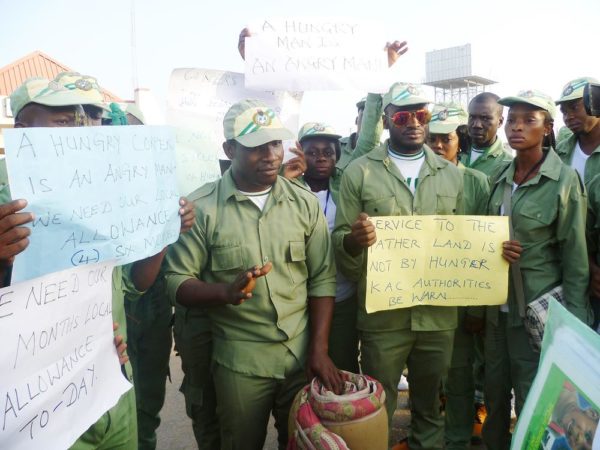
x=229, y=188
x=432, y=161
x=550, y=169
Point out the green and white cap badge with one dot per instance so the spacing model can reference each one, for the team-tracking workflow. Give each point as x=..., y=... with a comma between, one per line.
x=252, y=123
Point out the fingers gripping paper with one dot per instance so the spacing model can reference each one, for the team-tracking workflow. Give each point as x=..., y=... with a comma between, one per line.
x=437, y=260
x=60, y=369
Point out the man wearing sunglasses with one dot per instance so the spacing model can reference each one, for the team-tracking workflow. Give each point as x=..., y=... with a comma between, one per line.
x=400, y=177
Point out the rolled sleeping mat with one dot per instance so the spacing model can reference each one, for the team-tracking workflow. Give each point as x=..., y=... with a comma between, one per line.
x=356, y=419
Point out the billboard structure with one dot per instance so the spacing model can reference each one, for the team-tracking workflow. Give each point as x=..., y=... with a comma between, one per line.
x=450, y=72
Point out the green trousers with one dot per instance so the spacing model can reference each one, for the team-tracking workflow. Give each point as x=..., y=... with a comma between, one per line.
x=427, y=355
x=193, y=341
x=510, y=363
x=343, y=337
x=459, y=388
x=149, y=344
x=115, y=430
x=245, y=402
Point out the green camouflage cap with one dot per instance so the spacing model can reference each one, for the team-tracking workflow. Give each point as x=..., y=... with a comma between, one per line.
x=404, y=94
x=317, y=129
x=574, y=89
x=252, y=123
x=68, y=88
x=361, y=103
x=446, y=118
x=531, y=97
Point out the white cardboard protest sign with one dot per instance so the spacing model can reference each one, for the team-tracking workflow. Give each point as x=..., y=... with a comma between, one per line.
x=98, y=193
x=197, y=102
x=317, y=54
x=60, y=369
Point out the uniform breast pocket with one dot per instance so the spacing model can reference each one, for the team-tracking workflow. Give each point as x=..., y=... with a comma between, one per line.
x=226, y=258
x=535, y=219
x=296, y=262
x=446, y=204
x=381, y=207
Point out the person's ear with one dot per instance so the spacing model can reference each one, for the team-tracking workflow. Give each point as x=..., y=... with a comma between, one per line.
x=548, y=128
x=500, y=121
x=229, y=149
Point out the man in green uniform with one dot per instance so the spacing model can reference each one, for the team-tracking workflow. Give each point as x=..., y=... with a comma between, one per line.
x=43, y=103
x=485, y=117
x=581, y=150
x=262, y=336
x=400, y=177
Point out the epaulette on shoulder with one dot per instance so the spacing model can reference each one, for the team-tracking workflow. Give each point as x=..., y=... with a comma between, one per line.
x=298, y=183
x=202, y=191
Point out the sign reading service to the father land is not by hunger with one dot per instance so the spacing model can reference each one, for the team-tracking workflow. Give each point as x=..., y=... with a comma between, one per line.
x=301, y=54
x=97, y=193
x=437, y=260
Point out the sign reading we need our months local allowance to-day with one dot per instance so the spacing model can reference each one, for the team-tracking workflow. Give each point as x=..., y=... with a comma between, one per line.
x=98, y=193
x=60, y=369
x=437, y=260
x=197, y=102
x=316, y=53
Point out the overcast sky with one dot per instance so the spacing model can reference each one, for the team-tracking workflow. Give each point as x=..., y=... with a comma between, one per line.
x=522, y=44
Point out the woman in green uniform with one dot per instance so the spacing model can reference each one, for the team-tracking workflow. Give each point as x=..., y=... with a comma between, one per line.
x=548, y=211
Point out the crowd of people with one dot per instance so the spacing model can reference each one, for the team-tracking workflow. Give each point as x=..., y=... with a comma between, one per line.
x=265, y=288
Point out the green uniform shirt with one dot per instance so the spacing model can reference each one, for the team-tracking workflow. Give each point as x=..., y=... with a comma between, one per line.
x=4, y=190
x=230, y=235
x=370, y=133
x=374, y=185
x=565, y=149
x=548, y=216
x=476, y=191
x=488, y=163
x=593, y=218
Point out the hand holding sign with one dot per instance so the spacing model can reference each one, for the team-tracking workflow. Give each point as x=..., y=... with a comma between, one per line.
x=362, y=235
x=13, y=236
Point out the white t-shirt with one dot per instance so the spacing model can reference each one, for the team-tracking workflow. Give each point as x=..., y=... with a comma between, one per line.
x=328, y=207
x=344, y=287
x=579, y=160
x=258, y=198
x=409, y=166
x=475, y=155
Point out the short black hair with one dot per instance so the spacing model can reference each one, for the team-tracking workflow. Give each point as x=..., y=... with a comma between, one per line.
x=485, y=97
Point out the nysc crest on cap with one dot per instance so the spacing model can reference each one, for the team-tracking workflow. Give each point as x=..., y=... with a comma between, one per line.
x=317, y=129
x=531, y=97
x=403, y=94
x=446, y=118
x=68, y=88
x=573, y=90
x=252, y=123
